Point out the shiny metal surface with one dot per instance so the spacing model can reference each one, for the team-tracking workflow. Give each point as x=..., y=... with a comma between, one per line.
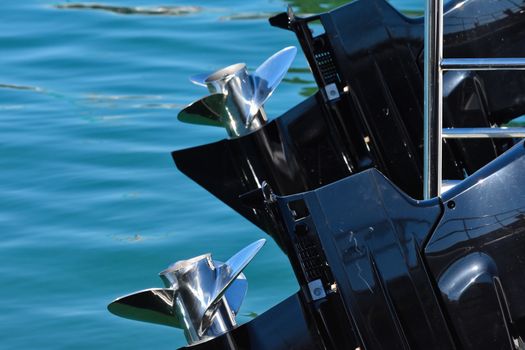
x=209, y=110
x=433, y=98
x=476, y=133
x=242, y=115
x=241, y=111
x=447, y=185
x=153, y=305
x=231, y=105
x=316, y=289
x=200, y=79
x=476, y=254
x=236, y=293
x=434, y=66
x=194, y=281
x=270, y=73
x=483, y=64
x=200, y=287
x=202, y=296
x=228, y=272
x=220, y=110
x=466, y=273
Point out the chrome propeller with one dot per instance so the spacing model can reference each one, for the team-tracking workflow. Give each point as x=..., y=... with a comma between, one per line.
x=202, y=296
x=241, y=109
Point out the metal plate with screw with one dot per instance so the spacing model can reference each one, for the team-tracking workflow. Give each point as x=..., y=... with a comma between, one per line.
x=316, y=289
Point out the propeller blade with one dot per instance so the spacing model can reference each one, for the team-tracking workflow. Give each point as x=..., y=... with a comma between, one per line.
x=153, y=305
x=209, y=110
x=269, y=74
x=228, y=272
x=200, y=79
x=236, y=293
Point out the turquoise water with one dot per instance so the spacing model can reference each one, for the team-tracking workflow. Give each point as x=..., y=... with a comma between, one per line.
x=91, y=205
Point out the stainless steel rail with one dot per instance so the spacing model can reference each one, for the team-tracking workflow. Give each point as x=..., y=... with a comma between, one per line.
x=482, y=133
x=434, y=67
x=433, y=98
x=483, y=64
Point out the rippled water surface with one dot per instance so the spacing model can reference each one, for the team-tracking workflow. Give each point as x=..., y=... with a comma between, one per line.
x=91, y=205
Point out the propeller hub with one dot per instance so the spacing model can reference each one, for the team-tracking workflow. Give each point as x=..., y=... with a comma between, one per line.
x=195, y=282
x=217, y=81
x=242, y=115
x=202, y=296
x=237, y=97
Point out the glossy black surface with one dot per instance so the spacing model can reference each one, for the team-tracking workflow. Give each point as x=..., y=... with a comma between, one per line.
x=415, y=274
x=292, y=153
x=396, y=273
x=477, y=254
x=376, y=52
x=490, y=28
x=283, y=327
x=382, y=66
x=369, y=235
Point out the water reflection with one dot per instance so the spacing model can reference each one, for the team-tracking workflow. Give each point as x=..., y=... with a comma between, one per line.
x=309, y=87
x=20, y=87
x=518, y=122
x=124, y=10
x=247, y=16
x=297, y=80
x=304, y=7
x=313, y=6
x=130, y=101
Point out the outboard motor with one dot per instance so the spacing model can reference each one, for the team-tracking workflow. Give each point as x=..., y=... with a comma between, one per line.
x=335, y=181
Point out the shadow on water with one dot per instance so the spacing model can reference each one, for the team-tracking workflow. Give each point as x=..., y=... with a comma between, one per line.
x=124, y=10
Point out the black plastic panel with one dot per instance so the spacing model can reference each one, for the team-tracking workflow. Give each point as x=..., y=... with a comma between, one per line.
x=292, y=154
x=370, y=233
x=332, y=180
x=378, y=121
x=477, y=254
